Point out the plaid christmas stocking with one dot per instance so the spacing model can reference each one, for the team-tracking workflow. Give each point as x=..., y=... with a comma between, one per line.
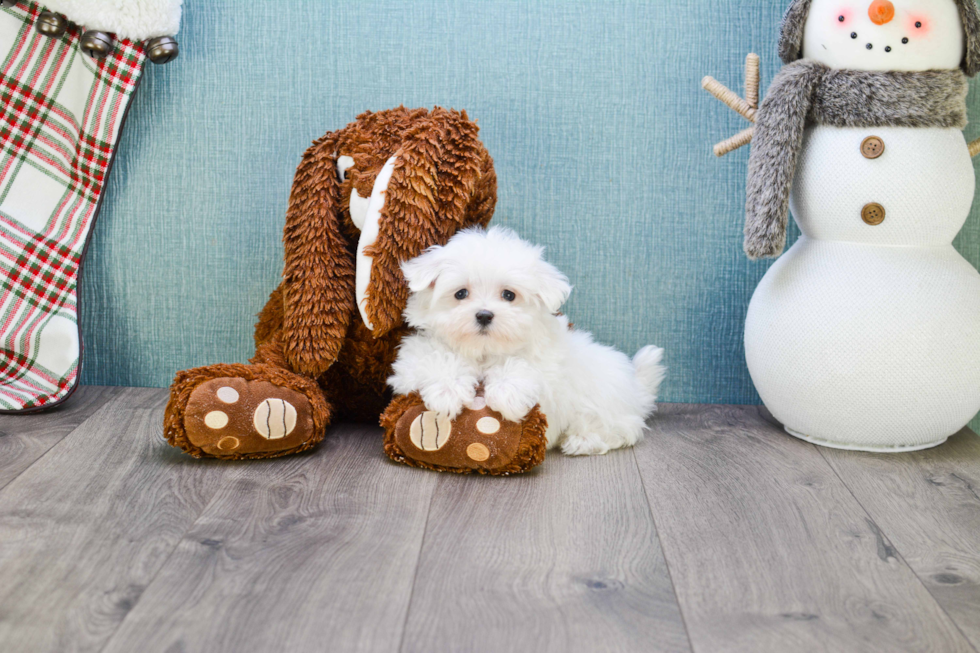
x=66, y=82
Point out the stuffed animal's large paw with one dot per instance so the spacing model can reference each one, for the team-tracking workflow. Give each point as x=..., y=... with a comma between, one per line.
x=478, y=440
x=232, y=417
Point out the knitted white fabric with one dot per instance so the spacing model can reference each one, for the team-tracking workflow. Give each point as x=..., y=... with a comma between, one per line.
x=127, y=19
x=924, y=180
x=868, y=347
x=872, y=344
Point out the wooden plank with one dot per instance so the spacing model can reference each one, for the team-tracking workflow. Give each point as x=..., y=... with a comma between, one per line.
x=928, y=504
x=768, y=549
x=306, y=553
x=563, y=559
x=25, y=438
x=86, y=528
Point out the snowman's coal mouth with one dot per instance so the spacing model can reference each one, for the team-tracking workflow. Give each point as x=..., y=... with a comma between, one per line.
x=871, y=46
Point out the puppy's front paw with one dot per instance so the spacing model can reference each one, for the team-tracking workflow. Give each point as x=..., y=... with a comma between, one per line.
x=512, y=398
x=449, y=397
x=584, y=445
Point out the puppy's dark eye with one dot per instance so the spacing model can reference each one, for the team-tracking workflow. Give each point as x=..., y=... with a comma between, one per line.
x=508, y=295
x=462, y=294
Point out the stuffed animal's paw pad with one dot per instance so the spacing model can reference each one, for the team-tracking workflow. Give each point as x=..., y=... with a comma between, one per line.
x=274, y=419
x=478, y=452
x=488, y=425
x=234, y=417
x=430, y=431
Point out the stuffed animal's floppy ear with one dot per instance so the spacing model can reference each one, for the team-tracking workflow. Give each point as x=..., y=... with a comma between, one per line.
x=551, y=286
x=442, y=181
x=318, y=276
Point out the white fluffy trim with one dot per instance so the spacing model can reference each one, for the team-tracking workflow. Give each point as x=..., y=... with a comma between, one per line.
x=132, y=19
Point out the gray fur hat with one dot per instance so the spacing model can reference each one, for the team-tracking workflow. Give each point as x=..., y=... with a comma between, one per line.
x=791, y=35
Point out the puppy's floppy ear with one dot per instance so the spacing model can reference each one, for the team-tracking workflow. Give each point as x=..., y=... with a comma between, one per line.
x=443, y=181
x=551, y=286
x=423, y=272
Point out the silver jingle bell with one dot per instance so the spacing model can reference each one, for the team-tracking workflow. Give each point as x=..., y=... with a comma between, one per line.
x=162, y=49
x=96, y=44
x=52, y=24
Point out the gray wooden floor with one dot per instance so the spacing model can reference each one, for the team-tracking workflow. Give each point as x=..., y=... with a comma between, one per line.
x=717, y=533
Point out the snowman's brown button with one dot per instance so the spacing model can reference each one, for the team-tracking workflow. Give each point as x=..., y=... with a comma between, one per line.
x=872, y=147
x=873, y=214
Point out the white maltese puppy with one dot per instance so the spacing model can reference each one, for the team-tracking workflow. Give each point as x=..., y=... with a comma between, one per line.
x=485, y=311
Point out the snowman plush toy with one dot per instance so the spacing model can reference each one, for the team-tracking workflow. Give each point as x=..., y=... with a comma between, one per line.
x=866, y=333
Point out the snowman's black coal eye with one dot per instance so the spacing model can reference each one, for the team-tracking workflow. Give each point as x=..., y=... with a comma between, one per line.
x=888, y=48
x=854, y=35
x=462, y=294
x=508, y=295
x=918, y=24
x=905, y=40
x=869, y=46
x=840, y=18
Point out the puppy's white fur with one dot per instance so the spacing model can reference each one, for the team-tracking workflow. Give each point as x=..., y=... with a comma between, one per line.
x=595, y=398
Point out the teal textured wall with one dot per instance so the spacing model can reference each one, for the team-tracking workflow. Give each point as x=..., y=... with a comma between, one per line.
x=592, y=110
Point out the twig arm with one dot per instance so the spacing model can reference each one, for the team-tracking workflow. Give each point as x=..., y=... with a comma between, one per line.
x=740, y=139
x=728, y=96
x=974, y=148
x=747, y=107
x=752, y=80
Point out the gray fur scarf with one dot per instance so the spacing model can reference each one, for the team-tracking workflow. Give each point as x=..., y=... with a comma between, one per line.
x=807, y=93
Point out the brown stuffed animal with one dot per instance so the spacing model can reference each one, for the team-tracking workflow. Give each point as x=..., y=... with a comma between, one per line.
x=364, y=200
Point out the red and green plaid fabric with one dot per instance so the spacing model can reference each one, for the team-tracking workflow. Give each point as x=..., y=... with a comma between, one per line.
x=62, y=112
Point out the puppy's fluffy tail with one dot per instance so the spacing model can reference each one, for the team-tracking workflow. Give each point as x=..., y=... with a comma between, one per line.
x=649, y=369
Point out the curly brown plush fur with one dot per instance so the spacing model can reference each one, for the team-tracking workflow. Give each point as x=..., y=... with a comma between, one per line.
x=443, y=181
x=310, y=337
x=794, y=22
x=806, y=92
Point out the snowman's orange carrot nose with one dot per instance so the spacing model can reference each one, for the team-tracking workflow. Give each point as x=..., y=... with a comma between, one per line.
x=881, y=12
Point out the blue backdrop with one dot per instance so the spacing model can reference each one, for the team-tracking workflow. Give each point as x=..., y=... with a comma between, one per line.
x=592, y=110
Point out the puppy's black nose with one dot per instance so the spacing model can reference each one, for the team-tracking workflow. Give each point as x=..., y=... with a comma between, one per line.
x=484, y=318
